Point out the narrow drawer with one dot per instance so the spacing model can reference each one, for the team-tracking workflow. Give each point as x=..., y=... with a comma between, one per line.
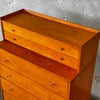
x=28, y=85
x=11, y=92
x=50, y=53
x=35, y=73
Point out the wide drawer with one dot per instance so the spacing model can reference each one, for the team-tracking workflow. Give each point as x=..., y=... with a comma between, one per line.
x=28, y=85
x=35, y=73
x=11, y=92
x=48, y=52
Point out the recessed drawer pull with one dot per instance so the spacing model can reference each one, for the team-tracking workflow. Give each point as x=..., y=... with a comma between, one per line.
x=13, y=30
x=61, y=58
x=62, y=48
x=5, y=60
x=14, y=39
x=52, y=84
x=9, y=89
x=7, y=75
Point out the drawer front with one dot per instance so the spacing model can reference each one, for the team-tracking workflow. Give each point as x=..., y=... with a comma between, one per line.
x=28, y=85
x=11, y=92
x=35, y=73
x=69, y=50
x=55, y=55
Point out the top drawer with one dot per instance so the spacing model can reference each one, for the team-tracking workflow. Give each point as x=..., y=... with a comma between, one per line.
x=56, y=35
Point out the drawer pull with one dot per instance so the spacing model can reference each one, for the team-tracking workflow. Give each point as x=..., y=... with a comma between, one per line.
x=14, y=39
x=9, y=89
x=62, y=48
x=5, y=60
x=13, y=30
x=61, y=58
x=7, y=75
x=52, y=84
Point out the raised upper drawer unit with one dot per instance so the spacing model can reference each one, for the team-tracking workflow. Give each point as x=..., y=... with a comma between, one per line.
x=59, y=40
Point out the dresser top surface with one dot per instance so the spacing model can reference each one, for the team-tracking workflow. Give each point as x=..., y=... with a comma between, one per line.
x=49, y=27
x=55, y=67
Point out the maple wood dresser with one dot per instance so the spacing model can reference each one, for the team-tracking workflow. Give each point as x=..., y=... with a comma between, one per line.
x=44, y=58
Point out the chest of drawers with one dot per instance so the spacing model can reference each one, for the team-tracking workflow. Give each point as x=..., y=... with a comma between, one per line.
x=44, y=58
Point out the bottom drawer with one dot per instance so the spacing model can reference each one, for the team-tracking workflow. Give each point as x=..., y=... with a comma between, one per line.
x=11, y=92
x=28, y=85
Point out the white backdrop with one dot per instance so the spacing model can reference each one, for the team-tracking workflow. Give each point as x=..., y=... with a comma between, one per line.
x=83, y=12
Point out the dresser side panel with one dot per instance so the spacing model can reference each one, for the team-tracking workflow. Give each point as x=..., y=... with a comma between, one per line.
x=81, y=85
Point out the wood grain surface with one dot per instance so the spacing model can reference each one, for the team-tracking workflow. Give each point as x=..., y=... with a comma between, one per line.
x=82, y=84
x=11, y=92
x=46, y=41
x=48, y=52
x=32, y=87
x=8, y=48
x=89, y=51
x=53, y=58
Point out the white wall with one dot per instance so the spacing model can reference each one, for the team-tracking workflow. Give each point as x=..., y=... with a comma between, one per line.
x=83, y=12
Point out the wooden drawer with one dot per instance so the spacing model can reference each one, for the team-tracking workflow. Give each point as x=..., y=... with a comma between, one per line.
x=36, y=73
x=29, y=86
x=11, y=92
x=55, y=55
